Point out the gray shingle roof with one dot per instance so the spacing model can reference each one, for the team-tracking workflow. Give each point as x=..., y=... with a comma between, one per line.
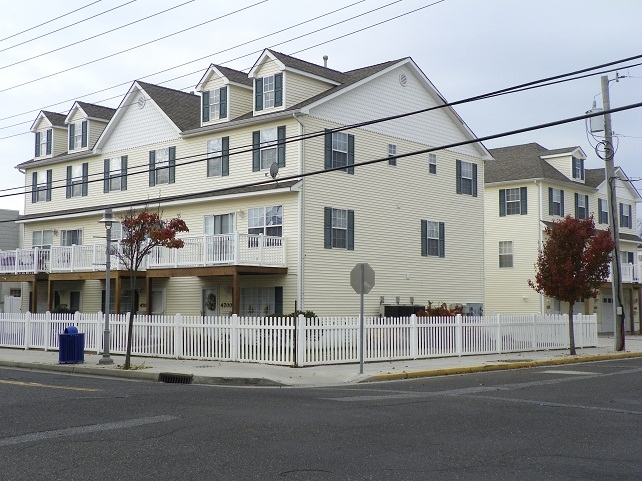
x=182, y=108
x=234, y=75
x=308, y=67
x=55, y=118
x=594, y=177
x=97, y=111
x=520, y=162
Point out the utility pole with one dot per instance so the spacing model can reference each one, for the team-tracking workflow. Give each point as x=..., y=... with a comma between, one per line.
x=616, y=272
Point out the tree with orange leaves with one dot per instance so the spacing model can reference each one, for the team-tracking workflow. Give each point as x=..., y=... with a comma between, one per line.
x=573, y=263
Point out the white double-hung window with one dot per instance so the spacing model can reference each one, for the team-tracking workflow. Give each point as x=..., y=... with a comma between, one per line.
x=268, y=92
x=162, y=166
x=265, y=220
x=268, y=147
x=214, y=157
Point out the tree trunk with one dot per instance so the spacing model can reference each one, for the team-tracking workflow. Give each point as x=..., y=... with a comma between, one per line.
x=571, y=333
x=130, y=324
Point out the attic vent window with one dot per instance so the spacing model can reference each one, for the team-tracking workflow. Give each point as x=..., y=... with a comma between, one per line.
x=141, y=102
x=403, y=80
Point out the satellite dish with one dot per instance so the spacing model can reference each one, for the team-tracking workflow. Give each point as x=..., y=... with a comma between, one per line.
x=274, y=170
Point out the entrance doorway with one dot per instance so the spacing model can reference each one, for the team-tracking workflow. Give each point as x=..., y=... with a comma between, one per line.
x=210, y=301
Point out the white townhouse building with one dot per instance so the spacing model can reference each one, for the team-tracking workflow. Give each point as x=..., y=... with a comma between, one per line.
x=259, y=245
x=527, y=187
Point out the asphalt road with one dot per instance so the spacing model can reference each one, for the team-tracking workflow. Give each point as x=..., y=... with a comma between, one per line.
x=577, y=422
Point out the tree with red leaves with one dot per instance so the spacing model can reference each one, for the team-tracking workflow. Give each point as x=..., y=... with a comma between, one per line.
x=142, y=232
x=573, y=263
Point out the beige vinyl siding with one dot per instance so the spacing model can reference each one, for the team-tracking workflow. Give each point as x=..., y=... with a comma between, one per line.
x=60, y=141
x=507, y=289
x=389, y=204
x=563, y=163
x=78, y=117
x=240, y=100
x=212, y=84
x=96, y=128
x=269, y=67
x=297, y=88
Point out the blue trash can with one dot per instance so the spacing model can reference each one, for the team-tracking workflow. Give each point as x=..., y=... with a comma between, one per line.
x=71, y=346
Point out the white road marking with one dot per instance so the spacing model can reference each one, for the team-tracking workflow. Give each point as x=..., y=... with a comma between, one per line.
x=27, y=438
x=572, y=373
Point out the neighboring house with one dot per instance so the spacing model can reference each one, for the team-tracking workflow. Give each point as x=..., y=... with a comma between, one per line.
x=261, y=248
x=526, y=188
x=9, y=240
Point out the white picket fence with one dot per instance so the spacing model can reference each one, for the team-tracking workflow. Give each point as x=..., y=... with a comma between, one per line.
x=300, y=341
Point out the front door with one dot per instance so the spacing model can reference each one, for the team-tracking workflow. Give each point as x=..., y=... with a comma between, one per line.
x=210, y=301
x=158, y=301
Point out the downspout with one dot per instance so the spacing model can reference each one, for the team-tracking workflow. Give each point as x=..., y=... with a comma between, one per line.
x=539, y=234
x=301, y=254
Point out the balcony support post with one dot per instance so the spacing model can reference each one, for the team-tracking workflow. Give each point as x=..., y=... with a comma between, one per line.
x=236, y=292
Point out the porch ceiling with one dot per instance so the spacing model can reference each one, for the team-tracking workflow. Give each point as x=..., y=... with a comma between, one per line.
x=214, y=271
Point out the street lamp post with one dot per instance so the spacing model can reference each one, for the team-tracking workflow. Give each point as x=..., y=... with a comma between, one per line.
x=107, y=219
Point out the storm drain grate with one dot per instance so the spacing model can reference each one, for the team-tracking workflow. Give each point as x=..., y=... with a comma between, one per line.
x=175, y=378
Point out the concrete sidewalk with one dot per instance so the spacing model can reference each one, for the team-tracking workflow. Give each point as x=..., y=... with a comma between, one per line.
x=247, y=374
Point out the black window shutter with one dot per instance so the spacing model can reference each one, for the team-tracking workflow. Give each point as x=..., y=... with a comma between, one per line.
x=152, y=168
x=574, y=166
x=48, y=141
x=562, y=203
x=502, y=202
x=350, y=154
x=106, y=176
x=72, y=133
x=600, y=217
x=34, y=187
x=123, y=170
x=458, y=173
x=256, y=151
x=577, y=210
x=83, y=140
x=49, y=182
x=37, y=144
x=622, y=215
x=278, y=89
x=327, y=227
x=350, y=230
x=424, y=238
x=206, y=105
x=586, y=207
x=327, y=164
x=474, y=180
x=550, y=201
x=258, y=94
x=222, y=106
x=68, y=193
x=172, y=165
x=278, y=300
x=225, y=156
x=630, y=217
x=442, y=239
x=523, y=197
x=280, y=133
x=85, y=178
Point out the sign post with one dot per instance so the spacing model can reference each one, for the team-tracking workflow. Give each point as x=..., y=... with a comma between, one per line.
x=362, y=280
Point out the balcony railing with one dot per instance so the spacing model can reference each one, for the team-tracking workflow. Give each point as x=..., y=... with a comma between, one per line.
x=198, y=251
x=630, y=273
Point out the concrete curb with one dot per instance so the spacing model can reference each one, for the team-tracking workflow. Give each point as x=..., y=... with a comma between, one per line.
x=498, y=367
x=140, y=375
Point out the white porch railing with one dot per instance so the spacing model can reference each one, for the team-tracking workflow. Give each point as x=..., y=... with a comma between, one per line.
x=300, y=341
x=630, y=273
x=208, y=250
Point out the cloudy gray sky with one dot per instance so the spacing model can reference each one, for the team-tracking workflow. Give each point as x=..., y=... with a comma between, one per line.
x=465, y=47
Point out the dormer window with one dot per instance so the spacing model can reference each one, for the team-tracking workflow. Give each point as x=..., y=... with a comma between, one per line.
x=268, y=92
x=578, y=168
x=215, y=104
x=43, y=142
x=78, y=135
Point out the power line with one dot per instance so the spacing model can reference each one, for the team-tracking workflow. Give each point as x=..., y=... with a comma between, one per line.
x=357, y=164
x=48, y=21
x=67, y=26
x=131, y=48
x=97, y=35
x=204, y=57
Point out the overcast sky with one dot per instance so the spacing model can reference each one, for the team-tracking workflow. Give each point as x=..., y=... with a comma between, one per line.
x=465, y=47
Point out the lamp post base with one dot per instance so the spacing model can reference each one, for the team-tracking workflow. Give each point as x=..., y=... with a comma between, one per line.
x=105, y=360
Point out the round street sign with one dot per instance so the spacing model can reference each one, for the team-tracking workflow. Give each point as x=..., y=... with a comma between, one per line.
x=368, y=278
